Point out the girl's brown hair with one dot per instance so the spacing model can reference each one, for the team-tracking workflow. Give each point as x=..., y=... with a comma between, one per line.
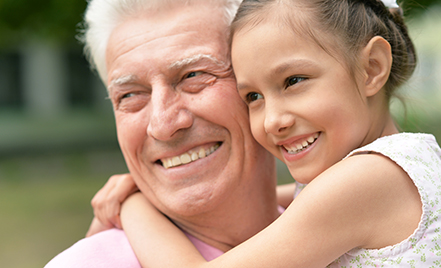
x=349, y=24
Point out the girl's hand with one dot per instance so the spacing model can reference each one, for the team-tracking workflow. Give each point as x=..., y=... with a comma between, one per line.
x=107, y=203
x=95, y=227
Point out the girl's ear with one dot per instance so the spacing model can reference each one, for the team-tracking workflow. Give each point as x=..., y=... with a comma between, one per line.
x=376, y=62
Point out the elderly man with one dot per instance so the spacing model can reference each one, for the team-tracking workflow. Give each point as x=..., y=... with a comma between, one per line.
x=182, y=128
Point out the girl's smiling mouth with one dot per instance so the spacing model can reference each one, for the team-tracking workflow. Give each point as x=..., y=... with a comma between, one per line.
x=300, y=144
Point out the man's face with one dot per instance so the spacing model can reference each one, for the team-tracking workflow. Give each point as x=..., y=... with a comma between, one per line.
x=181, y=124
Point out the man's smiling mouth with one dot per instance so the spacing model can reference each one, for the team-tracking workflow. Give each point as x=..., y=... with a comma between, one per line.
x=189, y=156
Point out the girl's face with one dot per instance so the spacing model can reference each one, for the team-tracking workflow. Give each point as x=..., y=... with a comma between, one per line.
x=304, y=106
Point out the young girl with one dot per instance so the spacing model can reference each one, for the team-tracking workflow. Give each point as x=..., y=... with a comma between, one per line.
x=317, y=76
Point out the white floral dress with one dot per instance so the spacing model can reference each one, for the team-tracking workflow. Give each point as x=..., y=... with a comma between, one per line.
x=420, y=156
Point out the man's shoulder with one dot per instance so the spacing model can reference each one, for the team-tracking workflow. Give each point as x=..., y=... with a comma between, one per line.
x=105, y=249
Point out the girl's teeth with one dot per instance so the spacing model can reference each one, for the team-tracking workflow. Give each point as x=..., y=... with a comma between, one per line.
x=297, y=148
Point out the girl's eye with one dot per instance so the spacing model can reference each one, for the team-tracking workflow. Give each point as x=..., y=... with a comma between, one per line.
x=290, y=81
x=252, y=96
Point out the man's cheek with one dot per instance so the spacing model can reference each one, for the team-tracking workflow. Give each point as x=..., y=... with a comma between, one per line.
x=128, y=142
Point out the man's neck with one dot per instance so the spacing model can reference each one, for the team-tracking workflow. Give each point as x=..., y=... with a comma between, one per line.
x=226, y=233
x=246, y=212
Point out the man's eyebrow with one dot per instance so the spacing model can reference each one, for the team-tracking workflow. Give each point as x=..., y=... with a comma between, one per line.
x=194, y=59
x=122, y=80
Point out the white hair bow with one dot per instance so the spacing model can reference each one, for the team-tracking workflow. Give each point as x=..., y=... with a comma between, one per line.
x=390, y=3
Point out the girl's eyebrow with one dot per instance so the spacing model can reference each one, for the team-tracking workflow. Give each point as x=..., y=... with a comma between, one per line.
x=293, y=64
x=240, y=86
x=296, y=64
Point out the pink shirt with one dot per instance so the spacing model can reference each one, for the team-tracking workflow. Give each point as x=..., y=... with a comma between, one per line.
x=111, y=249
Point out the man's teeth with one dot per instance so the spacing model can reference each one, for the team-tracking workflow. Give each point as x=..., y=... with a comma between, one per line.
x=298, y=147
x=188, y=157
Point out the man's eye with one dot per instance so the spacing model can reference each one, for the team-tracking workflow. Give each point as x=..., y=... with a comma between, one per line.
x=253, y=96
x=128, y=95
x=192, y=74
x=131, y=102
x=290, y=81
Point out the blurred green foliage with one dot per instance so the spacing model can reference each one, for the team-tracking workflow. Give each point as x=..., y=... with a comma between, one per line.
x=413, y=7
x=53, y=19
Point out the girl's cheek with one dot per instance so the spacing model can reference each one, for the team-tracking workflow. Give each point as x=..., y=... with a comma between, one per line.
x=258, y=131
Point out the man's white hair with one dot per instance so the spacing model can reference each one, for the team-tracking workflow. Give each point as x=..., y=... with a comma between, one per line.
x=103, y=16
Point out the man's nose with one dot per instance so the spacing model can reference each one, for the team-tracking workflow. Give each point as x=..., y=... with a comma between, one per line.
x=277, y=120
x=168, y=113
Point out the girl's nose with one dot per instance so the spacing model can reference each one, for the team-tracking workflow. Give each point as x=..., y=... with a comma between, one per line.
x=277, y=121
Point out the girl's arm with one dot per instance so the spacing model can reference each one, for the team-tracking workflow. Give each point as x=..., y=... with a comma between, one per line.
x=350, y=205
x=107, y=203
x=285, y=194
x=157, y=242
x=154, y=238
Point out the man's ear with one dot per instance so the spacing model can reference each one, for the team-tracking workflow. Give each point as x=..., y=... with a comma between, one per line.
x=376, y=62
